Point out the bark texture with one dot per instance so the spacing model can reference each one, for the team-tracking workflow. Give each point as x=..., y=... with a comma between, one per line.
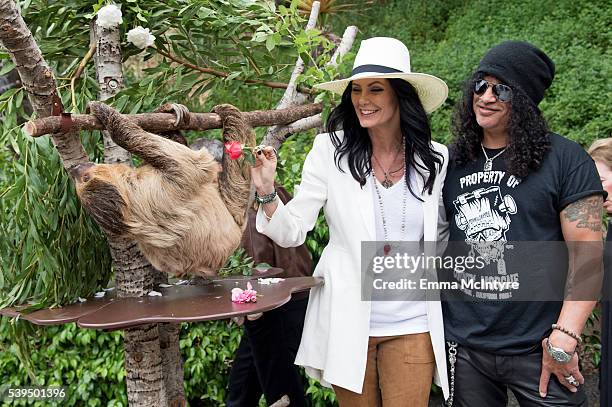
x=110, y=79
x=163, y=122
x=36, y=77
x=144, y=368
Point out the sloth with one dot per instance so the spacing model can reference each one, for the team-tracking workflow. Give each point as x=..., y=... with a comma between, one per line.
x=185, y=216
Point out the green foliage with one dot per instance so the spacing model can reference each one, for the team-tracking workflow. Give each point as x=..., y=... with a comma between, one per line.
x=448, y=38
x=50, y=251
x=90, y=363
x=208, y=349
x=47, y=243
x=240, y=263
x=55, y=253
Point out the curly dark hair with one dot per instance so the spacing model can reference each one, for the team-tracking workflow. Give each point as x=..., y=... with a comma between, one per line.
x=529, y=135
x=357, y=146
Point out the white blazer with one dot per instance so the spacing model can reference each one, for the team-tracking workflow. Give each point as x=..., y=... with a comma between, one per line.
x=334, y=343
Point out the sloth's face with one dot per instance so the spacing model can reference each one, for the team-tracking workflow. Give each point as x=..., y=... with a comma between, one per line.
x=98, y=187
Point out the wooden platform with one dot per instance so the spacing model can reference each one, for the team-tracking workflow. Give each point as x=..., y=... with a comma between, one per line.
x=178, y=303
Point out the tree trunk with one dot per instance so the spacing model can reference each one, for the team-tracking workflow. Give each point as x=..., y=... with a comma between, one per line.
x=110, y=79
x=143, y=365
x=36, y=77
x=152, y=355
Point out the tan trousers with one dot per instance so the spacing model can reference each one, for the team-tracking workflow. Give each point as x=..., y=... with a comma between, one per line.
x=399, y=373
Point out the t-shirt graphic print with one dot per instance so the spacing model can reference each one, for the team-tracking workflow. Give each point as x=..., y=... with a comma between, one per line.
x=495, y=217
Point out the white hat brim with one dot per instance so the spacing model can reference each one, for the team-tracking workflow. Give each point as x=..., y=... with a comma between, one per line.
x=431, y=90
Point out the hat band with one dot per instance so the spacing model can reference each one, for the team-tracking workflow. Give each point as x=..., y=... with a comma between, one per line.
x=374, y=68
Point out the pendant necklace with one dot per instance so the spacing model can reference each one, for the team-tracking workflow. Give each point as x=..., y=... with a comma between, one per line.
x=387, y=246
x=386, y=182
x=488, y=166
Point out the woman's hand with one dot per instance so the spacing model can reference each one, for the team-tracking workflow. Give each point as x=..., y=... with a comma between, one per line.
x=264, y=170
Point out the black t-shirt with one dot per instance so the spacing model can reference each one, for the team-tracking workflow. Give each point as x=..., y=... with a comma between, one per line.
x=494, y=206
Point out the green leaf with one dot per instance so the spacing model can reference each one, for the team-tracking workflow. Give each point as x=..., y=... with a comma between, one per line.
x=270, y=43
x=7, y=67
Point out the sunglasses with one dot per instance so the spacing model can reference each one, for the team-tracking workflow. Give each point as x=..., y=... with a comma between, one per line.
x=503, y=93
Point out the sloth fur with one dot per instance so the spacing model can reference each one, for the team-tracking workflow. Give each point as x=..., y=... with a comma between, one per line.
x=183, y=220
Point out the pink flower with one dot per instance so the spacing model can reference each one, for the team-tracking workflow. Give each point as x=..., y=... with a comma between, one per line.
x=241, y=296
x=234, y=149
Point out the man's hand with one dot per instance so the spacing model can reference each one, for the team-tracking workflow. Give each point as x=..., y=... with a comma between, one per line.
x=561, y=370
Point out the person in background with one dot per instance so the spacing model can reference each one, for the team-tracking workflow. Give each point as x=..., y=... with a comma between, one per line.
x=264, y=360
x=512, y=180
x=601, y=151
x=377, y=175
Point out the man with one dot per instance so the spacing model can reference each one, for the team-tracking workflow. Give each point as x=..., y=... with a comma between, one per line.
x=510, y=180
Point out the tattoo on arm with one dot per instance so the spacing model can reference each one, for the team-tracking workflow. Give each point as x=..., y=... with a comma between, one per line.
x=587, y=212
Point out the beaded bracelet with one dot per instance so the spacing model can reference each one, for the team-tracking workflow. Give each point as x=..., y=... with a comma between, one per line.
x=567, y=332
x=264, y=199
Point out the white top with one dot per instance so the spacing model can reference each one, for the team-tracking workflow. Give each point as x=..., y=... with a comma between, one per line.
x=334, y=346
x=395, y=317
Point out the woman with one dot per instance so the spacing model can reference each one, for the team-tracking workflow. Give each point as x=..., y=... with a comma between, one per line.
x=601, y=151
x=378, y=179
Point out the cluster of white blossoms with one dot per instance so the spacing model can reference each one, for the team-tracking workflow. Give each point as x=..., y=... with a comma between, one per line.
x=141, y=37
x=110, y=17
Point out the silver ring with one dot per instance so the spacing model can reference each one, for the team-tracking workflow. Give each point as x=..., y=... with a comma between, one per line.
x=262, y=146
x=572, y=380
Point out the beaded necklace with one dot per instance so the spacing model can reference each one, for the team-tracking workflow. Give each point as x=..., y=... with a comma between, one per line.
x=387, y=246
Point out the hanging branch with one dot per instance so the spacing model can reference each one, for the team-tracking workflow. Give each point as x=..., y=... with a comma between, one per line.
x=278, y=134
x=79, y=71
x=222, y=74
x=161, y=122
x=290, y=95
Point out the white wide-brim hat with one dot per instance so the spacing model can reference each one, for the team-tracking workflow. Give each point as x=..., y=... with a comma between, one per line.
x=384, y=57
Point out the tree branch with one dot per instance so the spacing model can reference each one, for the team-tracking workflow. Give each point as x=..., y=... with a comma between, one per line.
x=79, y=71
x=291, y=93
x=278, y=134
x=161, y=122
x=37, y=77
x=222, y=74
x=345, y=45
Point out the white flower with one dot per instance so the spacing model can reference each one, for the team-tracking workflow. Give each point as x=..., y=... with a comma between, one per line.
x=141, y=37
x=271, y=280
x=109, y=16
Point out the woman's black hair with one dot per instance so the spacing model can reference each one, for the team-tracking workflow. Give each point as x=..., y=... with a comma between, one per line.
x=357, y=146
x=529, y=138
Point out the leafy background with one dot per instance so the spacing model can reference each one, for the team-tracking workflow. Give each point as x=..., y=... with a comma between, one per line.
x=51, y=253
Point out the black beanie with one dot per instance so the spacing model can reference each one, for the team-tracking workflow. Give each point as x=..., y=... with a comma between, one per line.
x=522, y=64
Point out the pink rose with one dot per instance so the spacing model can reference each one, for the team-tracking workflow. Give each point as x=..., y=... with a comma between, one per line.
x=241, y=296
x=234, y=149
